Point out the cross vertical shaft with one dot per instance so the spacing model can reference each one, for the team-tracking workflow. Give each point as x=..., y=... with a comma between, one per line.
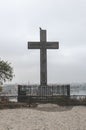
x=43, y=45
x=43, y=58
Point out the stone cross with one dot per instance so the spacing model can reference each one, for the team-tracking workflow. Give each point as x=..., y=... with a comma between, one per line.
x=43, y=45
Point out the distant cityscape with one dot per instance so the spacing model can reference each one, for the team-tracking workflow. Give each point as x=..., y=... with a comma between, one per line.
x=75, y=89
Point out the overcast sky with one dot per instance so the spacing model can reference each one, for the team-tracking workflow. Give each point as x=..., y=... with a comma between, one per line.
x=64, y=20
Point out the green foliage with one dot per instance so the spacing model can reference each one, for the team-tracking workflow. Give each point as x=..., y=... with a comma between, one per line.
x=6, y=71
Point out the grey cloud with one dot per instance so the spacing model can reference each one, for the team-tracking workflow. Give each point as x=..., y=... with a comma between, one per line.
x=65, y=22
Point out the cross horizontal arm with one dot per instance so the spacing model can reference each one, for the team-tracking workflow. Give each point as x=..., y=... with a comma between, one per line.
x=40, y=45
x=52, y=45
x=33, y=45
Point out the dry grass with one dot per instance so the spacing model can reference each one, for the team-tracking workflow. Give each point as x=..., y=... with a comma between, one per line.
x=62, y=101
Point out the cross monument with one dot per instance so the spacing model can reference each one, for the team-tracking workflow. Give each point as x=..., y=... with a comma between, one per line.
x=43, y=45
